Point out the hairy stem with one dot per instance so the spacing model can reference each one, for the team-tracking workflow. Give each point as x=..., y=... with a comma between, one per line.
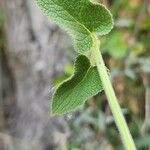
x=113, y=102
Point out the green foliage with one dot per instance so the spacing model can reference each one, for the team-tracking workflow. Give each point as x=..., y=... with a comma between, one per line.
x=143, y=141
x=129, y=41
x=84, y=21
x=84, y=84
x=80, y=18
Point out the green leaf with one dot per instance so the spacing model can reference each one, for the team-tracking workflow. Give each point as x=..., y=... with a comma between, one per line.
x=84, y=84
x=80, y=18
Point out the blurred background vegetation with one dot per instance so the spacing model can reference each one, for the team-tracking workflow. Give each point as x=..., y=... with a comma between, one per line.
x=126, y=51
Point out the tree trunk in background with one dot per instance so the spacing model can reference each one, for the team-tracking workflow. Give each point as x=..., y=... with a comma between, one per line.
x=35, y=52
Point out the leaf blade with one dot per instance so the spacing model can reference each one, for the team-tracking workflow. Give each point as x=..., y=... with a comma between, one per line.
x=73, y=93
x=80, y=18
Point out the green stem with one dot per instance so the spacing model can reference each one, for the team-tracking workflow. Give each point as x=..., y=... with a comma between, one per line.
x=113, y=102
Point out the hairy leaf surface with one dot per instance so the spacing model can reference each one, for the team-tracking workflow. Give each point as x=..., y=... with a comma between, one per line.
x=84, y=84
x=80, y=18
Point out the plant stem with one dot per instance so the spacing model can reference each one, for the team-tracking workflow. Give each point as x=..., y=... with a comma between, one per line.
x=113, y=102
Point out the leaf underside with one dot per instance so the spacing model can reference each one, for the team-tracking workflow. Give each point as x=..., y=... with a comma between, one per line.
x=80, y=18
x=84, y=84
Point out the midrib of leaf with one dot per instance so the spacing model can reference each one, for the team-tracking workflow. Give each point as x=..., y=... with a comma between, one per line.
x=92, y=35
